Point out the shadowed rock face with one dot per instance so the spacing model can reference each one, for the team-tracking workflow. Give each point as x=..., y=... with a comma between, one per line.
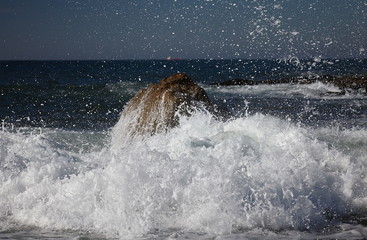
x=156, y=108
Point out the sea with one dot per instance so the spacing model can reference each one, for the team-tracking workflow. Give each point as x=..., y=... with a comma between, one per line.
x=290, y=162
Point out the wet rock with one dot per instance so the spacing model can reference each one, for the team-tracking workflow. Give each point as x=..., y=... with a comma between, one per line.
x=346, y=83
x=158, y=107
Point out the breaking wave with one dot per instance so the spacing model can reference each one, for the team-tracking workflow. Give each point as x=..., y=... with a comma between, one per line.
x=204, y=176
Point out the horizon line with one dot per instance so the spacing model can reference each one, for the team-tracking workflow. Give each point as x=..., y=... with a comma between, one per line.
x=175, y=60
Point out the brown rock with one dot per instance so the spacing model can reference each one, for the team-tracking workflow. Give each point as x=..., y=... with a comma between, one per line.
x=156, y=108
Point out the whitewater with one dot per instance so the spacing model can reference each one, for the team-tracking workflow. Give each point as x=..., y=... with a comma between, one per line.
x=207, y=178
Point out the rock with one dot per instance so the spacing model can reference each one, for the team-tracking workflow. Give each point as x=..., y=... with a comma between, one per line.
x=348, y=82
x=157, y=108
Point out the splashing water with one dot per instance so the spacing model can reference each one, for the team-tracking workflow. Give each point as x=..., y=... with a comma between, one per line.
x=204, y=176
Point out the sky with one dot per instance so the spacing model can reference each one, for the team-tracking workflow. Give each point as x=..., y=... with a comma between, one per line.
x=186, y=29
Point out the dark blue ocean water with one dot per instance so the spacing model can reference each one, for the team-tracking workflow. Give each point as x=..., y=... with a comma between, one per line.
x=91, y=94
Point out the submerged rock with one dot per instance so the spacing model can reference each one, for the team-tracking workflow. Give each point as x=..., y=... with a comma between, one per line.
x=158, y=107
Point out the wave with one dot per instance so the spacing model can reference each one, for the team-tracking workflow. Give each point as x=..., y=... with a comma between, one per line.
x=205, y=176
x=317, y=90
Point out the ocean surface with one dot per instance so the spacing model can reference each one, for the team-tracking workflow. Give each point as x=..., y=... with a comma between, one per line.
x=290, y=164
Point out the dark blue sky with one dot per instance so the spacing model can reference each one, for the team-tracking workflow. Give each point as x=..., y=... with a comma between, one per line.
x=156, y=29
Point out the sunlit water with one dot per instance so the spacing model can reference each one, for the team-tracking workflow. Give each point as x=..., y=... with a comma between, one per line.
x=291, y=163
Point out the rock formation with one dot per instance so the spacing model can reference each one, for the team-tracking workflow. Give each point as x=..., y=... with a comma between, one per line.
x=158, y=107
x=349, y=82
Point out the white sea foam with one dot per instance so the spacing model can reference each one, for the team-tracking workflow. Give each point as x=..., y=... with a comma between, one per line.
x=204, y=176
x=315, y=90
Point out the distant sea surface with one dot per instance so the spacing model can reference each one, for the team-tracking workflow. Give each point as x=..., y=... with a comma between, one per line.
x=291, y=163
